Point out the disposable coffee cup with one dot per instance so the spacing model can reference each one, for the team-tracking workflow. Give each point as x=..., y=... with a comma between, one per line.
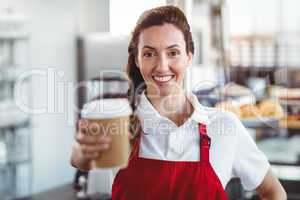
x=111, y=117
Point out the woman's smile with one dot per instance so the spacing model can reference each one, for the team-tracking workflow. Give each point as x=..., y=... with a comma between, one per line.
x=162, y=79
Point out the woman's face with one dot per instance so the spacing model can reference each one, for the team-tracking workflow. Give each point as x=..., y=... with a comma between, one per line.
x=162, y=59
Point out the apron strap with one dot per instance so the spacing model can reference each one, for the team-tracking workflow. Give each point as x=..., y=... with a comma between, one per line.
x=135, y=149
x=204, y=143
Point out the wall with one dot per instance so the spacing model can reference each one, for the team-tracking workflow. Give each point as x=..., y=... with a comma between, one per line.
x=54, y=26
x=52, y=45
x=93, y=15
x=119, y=15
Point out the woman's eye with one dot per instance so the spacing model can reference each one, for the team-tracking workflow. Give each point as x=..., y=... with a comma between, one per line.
x=148, y=54
x=173, y=53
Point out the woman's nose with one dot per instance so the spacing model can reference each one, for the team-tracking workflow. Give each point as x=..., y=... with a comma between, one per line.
x=162, y=64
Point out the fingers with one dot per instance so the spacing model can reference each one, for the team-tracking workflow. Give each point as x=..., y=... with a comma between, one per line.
x=91, y=156
x=91, y=145
x=86, y=127
x=93, y=151
x=83, y=135
x=91, y=139
x=82, y=126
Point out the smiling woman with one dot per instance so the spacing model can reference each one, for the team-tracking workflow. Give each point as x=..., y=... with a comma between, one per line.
x=181, y=149
x=163, y=59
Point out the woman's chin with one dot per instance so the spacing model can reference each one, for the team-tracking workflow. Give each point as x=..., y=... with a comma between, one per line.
x=166, y=91
x=163, y=89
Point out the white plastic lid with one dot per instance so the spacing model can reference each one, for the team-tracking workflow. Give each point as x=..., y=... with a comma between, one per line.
x=106, y=109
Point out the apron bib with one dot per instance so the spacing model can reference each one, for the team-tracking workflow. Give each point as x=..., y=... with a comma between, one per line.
x=150, y=179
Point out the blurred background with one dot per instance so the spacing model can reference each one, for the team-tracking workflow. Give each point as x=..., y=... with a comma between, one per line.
x=57, y=55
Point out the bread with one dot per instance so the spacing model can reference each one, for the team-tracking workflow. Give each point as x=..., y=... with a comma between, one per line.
x=290, y=121
x=250, y=111
x=267, y=108
x=271, y=109
x=228, y=106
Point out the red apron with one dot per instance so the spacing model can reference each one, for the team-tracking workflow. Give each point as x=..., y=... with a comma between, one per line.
x=150, y=179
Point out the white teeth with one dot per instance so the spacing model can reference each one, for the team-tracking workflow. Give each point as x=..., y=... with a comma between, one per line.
x=162, y=78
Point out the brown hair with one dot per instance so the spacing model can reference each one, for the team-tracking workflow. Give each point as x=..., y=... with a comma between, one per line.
x=156, y=16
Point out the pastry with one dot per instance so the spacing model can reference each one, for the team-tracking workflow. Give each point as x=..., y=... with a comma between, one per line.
x=271, y=109
x=291, y=121
x=250, y=111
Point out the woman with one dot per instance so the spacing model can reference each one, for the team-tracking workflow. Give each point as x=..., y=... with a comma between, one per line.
x=182, y=150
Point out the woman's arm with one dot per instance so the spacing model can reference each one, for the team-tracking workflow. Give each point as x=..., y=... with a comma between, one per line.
x=270, y=188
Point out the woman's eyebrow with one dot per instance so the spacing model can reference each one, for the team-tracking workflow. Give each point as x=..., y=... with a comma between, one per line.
x=169, y=47
x=172, y=46
x=148, y=47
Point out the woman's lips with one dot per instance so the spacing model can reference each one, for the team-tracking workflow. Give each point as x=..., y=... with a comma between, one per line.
x=165, y=78
x=162, y=79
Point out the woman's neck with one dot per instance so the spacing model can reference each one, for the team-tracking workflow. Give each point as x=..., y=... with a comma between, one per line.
x=175, y=107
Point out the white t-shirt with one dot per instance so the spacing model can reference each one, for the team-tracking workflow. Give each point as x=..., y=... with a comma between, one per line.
x=233, y=153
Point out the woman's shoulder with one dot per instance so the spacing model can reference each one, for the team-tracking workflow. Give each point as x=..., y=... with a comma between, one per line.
x=213, y=115
x=218, y=115
x=221, y=122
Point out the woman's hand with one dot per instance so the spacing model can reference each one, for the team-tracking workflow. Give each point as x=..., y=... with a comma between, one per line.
x=270, y=188
x=87, y=147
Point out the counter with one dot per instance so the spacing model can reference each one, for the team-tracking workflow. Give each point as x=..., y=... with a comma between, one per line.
x=65, y=192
